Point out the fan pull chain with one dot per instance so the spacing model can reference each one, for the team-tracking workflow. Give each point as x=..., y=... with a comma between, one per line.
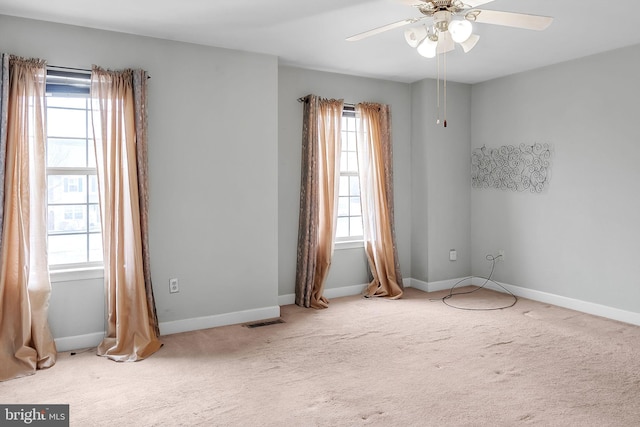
x=438, y=87
x=445, y=89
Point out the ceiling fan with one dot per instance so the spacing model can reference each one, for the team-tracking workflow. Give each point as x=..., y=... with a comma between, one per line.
x=451, y=23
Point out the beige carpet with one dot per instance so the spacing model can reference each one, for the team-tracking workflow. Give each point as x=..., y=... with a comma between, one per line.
x=411, y=362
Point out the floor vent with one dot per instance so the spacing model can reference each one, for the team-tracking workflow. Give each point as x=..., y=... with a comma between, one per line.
x=266, y=323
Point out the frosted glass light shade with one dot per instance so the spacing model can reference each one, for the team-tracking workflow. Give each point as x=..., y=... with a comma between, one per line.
x=414, y=36
x=460, y=30
x=428, y=47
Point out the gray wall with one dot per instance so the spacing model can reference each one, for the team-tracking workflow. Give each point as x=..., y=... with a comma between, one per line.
x=225, y=137
x=581, y=238
x=349, y=266
x=212, y=163
x=441, y=179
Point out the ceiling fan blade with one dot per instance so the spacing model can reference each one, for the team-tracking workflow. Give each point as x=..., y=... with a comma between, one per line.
x=509, y=19
x=384, y=28
x=475, y=3
x=411, y=2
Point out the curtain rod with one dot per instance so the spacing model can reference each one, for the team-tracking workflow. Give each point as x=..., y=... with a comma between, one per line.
x=81, y=70
x=346, y=104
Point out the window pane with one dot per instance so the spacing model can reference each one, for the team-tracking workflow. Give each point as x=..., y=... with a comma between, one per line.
x=66, y=123
x=356, y=226
x=93, y=189
x=343, y=206
x=354, y=206
x=352, y=162
x=342, y=227
x=354, y=186
x=91, y=158
x=343, y=189
x=66, y=152
x=95, y=248
x=344, y=167
x=349, y=202
x=351, y=141
x=74, y=230
x=70, y=189
x=67, y=218
x=94, y=218
x=67, y=249
x=66, y=102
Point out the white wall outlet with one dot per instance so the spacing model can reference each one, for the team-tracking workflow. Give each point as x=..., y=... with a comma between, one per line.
x=453, y=255
x=173, y=286
x=501, y=255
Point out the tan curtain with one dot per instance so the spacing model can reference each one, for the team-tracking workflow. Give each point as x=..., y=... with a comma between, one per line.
x=376, y=181
x=321, y=142
x=140, y=78
x=4, y=105
x=26, y=343
x=131, y=333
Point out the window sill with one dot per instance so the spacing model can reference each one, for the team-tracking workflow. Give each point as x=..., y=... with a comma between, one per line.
x=74, y=274
x=352, y=244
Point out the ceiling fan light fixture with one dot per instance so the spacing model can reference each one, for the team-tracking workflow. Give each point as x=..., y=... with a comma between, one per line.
x=460, y=30
x=429, y=47
x=414, y=36
x=452, y=24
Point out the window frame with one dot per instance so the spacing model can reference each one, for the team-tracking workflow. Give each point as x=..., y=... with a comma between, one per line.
x=62, y=83
x=350, y=241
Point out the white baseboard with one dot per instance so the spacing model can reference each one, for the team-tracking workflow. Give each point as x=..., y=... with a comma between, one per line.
x=168, y=328
x=287, y=299
x=570, y=303
x=345, y=291
x=206, y=322
x=545, y=297
x=440, y=285
x=358, y=289
x=407, y=282
x=186, y=325
x=79, y=341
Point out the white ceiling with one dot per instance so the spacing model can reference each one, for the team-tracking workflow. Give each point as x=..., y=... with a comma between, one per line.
x=311, y=33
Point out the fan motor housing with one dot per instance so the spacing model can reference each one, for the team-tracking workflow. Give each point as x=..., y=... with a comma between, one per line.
x=441, y=20
x=430, y=8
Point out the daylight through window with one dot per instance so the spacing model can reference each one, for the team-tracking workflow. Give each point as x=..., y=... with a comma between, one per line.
x=349, y=225
x=73, y=216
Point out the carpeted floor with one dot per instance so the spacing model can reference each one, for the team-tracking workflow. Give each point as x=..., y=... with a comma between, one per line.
x=410, y=362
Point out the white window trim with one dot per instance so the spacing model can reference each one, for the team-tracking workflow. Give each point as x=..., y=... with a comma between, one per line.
x=348, y=244
x=75, y=274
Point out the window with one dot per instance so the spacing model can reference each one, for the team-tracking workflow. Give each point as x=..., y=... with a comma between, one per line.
x=349, y=225
x=73, y=216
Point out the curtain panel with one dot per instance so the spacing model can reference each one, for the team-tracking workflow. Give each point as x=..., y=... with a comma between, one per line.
x=320, y=173
x=4, y=105
x=375, y=158
x=132, y=332
x=26, y=343
x=140, y=78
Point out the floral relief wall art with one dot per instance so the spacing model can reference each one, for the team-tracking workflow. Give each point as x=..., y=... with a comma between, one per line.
x=517, y=168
